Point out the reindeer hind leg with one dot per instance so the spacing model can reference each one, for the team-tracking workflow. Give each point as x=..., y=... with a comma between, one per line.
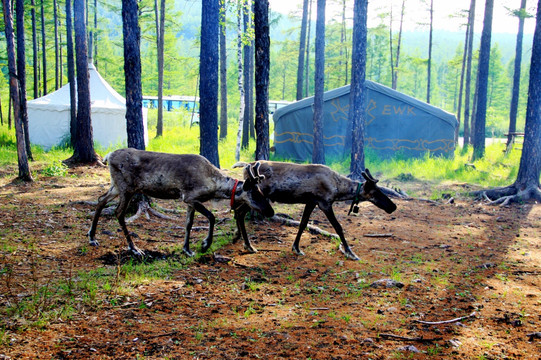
x=121, y=216
x=102, y=201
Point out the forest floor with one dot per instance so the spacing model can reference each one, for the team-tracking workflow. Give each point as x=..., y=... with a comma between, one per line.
x=62, y=299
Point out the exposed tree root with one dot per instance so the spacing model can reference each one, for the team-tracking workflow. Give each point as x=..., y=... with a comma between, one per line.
x=312, y=228
x=446, y=321
x=509, y=194
x=144, y=208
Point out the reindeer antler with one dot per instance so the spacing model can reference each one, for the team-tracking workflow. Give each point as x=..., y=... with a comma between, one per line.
x=253, y=173
x=366, y=174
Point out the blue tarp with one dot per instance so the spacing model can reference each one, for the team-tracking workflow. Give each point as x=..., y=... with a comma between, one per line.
x=395, y=123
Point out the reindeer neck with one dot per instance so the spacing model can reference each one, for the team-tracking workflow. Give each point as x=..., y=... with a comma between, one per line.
x=224, y=188
x=347, y=189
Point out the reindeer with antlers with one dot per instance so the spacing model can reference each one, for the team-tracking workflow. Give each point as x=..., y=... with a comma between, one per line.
x=313, y=185
x=190, y=178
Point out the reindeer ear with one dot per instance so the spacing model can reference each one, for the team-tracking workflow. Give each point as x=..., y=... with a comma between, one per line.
x=366, y=174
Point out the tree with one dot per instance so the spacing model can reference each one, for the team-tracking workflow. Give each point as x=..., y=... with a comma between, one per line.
x=57, y=64
x=208, y=83
x=248, y=71
x=132, y=73
x=242, y=98
x=43, y=49
x=71, y=74
x=521, y=14
x=83, y=145
x=160, y=43
x=307, y=66
x=396, y=64
x=469, y=59
x=526, y=186
x=429, y=64
x=302, y=50
x=262, y=65
x=21, y=72
x=318, y=152
x=357, y=99
x=24, y=170
x=223, y=71
x=35, y=48
x=482, y=83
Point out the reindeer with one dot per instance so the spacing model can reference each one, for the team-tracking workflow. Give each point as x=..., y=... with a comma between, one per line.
x=190, y=178
x=313, y=185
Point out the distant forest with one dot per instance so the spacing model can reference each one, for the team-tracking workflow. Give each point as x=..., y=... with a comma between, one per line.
x=182, y=62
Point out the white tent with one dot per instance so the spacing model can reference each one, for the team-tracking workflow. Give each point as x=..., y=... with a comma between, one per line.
x=49, y=116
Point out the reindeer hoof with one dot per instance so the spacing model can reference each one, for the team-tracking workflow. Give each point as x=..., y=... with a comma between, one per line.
x=349, y=254
x=188, y=252
x=93, y=242
x=137, y=252
x=250, y=249
x=298, y=251
x=205, y=246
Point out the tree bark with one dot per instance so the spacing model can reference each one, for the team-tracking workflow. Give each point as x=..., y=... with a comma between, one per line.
x=223, y=72
x=248, y=104
x=262, y=66
x=467, y=92
x=242, y=98
x=394, y=81
x=482, y=84
x=34, y=48
x=56, y=47
x=132, y=73
x=516, y=75
x=43, y=50
x=462, y=74
x=71, y=74
x=302, y=50
x=357, y=100
x=429, y=66
x=208, y=84
x=160, y=44
x=318, y=152
x=21, y=71
x=22, y=159
x=84, y=146
x=96, y=34
x=307, y=67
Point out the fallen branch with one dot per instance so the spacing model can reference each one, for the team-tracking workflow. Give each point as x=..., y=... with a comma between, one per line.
x=162, y=335
x=407, y=338
x=446, y=321
x=378, y=235
x=295, y=223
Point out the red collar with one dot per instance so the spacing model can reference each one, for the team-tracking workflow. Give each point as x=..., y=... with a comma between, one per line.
x=233, y=193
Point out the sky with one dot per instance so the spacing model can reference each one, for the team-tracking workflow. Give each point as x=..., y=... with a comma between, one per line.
x=417, y=12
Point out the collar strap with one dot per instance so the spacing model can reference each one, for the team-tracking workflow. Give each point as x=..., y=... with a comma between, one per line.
x=232, y=202
x=356, y=198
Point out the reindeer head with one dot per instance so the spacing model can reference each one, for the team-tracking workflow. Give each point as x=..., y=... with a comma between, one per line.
x=371, y=192
x=251, y=194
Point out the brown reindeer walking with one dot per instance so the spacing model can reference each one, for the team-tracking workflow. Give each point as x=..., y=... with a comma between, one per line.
x=313, y=185
x=189, y=178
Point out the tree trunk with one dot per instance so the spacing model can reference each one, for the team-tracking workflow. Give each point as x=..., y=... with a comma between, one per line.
x=482, y=84
x=96, y=34
x=462, y=73
x=132, y=72
x=318, y=152
x=84, y=146
x=43, y=49
x=467, y=92
x=160, y=34
x=343, y=39
x=246, y=19
x=242, y=98
x=262, y=66
x=1, y=115
x=21, y=71
x=71, y=74
x=526, y=185
x=302, y=50
x=223, y=72
x=56, y=48
x=24, y=170
x=429, y=67
x=208, y=84
x=34, y=48
x=394, y=80
x=307, y=67
x=516, y=75
x=357, y=100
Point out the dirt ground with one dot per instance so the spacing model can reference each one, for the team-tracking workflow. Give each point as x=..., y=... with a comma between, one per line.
x=430, y=261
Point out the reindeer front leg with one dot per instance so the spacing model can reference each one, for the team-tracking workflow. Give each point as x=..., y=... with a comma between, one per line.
x=190, y=212
x=240, y=214
x=205, y=245
x=344, y=247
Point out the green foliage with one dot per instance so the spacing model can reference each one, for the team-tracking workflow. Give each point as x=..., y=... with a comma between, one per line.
x=57, y=168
